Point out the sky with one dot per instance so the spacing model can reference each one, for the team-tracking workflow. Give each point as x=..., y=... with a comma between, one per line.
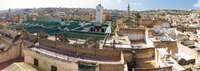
x=108, y=4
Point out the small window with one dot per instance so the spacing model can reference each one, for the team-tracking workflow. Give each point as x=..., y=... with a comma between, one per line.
x=35, y=62
x=53, y=68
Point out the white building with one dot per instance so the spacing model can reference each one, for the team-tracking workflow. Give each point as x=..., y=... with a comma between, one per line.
x=99, y=13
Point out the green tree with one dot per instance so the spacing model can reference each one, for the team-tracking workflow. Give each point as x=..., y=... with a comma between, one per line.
x=62, y=38
x=42, y=35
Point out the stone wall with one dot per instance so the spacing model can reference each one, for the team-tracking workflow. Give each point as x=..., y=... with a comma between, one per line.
x=111, y=67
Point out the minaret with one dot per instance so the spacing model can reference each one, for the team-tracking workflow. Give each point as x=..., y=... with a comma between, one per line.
x=128, y=10
x=9, y=14
x=129, y=21
x=99, y=14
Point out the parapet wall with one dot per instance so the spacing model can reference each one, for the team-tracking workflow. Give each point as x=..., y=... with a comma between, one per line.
x=144, y=54
x=113, y=54
x=154, y=69
x=74, y=51
x=172, y=45
x=111, y=67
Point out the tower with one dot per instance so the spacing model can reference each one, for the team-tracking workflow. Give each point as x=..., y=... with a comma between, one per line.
x=128, y=10
x=129, y=21
x=8, y=16
x=99, y=14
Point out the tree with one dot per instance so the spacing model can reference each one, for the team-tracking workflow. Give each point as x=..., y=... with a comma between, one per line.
x=138, y=17
x=129, y=22
x=42, y=35
x=62, y=38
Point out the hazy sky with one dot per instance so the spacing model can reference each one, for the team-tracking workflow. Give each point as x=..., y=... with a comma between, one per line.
x=109, y=4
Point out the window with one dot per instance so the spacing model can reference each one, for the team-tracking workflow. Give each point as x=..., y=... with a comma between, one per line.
x=35, y=62
x=53, y=68
x=86, y=67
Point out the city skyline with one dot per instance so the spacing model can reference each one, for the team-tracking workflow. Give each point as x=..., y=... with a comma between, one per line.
x=108, y=4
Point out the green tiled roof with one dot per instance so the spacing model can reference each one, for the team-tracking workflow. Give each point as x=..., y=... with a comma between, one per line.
x=52, y=27
x=84, y=35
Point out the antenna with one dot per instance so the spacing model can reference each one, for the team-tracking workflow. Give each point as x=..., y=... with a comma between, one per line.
x=100, y=2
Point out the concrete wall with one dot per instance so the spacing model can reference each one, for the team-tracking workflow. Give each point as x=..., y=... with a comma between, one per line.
x=45, y=62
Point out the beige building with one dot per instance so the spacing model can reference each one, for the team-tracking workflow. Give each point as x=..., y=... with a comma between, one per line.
x=52, y=59
x=20, y=67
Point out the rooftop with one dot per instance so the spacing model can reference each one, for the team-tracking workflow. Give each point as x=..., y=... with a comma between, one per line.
x=20, y=67
x=70, y=55
x=5, y=64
